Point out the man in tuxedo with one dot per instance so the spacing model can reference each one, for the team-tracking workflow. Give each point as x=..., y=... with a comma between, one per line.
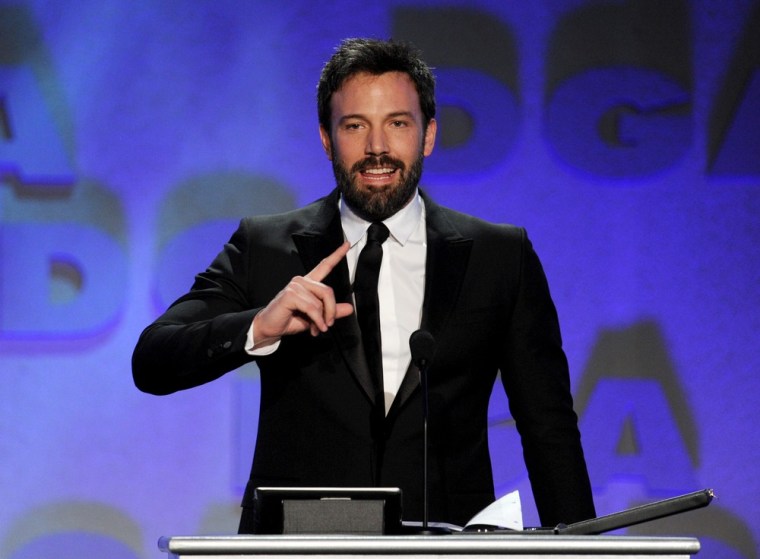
x=302, y=295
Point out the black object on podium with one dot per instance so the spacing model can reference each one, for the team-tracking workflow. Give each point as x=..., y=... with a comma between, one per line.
x=327, y=510
x=640, y=514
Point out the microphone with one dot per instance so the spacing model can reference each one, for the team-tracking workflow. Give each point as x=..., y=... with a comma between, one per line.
x=422, y=347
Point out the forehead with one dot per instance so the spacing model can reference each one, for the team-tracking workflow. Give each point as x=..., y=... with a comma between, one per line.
x=370, y=94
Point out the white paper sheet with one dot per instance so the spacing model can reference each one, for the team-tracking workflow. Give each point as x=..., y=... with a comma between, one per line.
x=505, y=512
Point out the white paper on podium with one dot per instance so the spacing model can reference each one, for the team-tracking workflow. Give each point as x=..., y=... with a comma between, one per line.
x=505, y=512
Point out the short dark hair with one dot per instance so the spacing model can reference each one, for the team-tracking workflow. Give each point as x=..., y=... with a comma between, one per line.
x=374, y=56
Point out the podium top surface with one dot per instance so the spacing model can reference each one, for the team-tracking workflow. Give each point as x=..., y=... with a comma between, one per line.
x=454, y=545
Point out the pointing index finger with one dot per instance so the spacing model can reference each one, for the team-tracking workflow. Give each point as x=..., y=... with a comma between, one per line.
x=326, y=266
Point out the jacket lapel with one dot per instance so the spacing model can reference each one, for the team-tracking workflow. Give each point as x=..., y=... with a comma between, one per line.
x=447, y=256
x=317, y=241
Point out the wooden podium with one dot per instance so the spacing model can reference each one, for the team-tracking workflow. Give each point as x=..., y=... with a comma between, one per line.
x=454, y=546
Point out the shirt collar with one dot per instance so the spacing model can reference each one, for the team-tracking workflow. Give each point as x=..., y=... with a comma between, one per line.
x=401, y=224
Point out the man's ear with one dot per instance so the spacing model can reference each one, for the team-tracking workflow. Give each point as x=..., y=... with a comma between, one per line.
x=429, y=142
x=324, y=135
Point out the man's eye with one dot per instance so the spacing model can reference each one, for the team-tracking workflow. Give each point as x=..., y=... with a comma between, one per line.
x=399, y=123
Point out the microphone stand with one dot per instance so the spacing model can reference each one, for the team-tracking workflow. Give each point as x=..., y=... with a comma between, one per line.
x=422, y=346
x=426, y=529
x=425, y=485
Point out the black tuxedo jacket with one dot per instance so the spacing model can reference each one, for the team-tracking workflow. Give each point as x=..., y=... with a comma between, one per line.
x=486, y=303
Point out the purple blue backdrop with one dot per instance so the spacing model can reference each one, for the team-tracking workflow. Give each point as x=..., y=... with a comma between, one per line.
x=133, y=134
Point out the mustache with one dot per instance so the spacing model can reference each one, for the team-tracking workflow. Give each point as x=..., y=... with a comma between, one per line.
x=377, y=161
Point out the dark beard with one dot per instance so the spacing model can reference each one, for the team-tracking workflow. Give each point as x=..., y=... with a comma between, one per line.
x=378, y=205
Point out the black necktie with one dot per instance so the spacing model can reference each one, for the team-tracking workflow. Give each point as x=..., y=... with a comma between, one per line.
x=367, y=306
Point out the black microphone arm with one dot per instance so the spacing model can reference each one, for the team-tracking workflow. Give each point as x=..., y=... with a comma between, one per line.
x=422, y=346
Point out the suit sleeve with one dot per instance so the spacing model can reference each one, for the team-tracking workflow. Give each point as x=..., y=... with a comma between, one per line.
x=536, y=379
x=202, y=335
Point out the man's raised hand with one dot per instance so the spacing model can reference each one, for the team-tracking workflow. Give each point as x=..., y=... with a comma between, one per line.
x=304, y=304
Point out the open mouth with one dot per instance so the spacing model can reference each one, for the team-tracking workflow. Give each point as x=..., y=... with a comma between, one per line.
x=379, y=173
x=379, y=170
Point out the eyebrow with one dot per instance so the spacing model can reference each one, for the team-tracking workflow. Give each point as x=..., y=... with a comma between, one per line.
x=397, y=114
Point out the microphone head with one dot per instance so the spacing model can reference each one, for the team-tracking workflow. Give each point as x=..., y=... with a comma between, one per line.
x=422, y=346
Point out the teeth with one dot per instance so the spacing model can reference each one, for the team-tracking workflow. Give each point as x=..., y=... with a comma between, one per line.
x=381, y=171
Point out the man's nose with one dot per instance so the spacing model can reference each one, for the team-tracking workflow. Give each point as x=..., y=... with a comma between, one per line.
x=377, y=142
